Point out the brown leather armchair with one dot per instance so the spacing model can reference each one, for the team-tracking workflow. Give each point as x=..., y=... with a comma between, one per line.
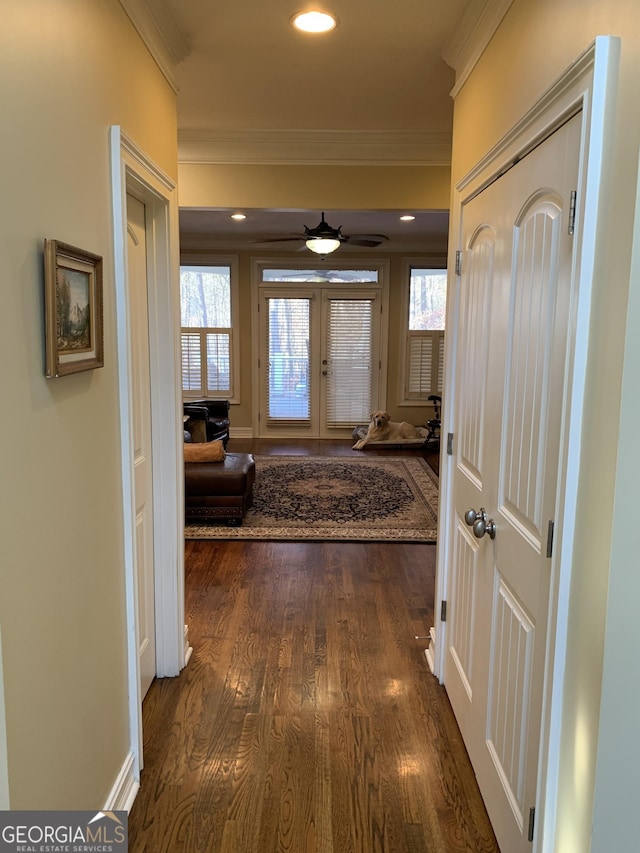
x=214, y=413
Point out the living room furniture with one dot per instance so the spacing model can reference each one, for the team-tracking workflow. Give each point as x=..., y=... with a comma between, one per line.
x=208, y=420
x=219, y=491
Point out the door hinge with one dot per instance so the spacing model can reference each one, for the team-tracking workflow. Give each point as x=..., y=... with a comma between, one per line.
x=443, y=611
x=458, y=262
x=532, y=820
x=550, y=538
x=572, y=211
x=449, y=444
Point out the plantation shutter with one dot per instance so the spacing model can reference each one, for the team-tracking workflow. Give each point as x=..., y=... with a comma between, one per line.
x=440, y=371
x=192, y=363
x=425, y=364
x=206, y=362
x=218, y=362
x=349, y=352
x=288, y=377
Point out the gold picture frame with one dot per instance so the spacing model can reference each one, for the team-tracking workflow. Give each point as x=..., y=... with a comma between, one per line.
x=74, y=336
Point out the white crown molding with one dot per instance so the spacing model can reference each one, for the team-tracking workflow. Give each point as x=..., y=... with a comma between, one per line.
x=478, y=25
x=164, y=39
x=309, y=147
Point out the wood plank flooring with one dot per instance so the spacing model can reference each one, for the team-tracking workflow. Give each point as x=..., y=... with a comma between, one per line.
x=307, y=719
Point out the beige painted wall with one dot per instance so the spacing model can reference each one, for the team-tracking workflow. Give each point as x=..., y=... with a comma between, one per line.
x=321, y=187
x=537, y=40
x=68, y=70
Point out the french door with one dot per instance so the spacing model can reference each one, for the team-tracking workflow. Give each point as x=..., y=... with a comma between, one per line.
x=320, y=360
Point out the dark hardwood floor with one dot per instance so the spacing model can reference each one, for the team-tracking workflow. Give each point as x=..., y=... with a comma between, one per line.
x=307, y=719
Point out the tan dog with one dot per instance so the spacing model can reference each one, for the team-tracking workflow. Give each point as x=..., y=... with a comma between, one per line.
x=382, y=428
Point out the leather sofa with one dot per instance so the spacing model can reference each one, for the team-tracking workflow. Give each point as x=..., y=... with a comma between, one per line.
x=207, y=420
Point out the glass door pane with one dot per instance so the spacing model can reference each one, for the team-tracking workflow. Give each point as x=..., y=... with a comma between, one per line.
x=288, y=350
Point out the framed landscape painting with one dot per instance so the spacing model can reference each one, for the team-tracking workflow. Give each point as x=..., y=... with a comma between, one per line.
x=73, y=309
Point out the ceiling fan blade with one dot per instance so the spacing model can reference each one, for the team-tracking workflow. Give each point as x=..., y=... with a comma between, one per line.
x=363, y=241
x=380, y=237
x=294, y=238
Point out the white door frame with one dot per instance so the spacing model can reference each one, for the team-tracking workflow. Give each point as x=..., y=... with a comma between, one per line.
x=588, y=87
x=4, y=761
x=132, y=172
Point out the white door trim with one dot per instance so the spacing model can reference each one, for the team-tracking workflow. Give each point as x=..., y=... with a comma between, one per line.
x=4, y=762
x=588, y=87
x=133, y=172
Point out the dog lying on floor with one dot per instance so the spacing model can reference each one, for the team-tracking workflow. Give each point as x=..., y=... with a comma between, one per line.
x=382, y=428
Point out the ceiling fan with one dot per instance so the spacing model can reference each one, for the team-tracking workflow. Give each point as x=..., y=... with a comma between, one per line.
x=323, y=239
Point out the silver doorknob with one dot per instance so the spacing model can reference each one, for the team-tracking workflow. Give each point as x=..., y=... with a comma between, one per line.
x=481, y=525
x=484, y=525
x=471, y=515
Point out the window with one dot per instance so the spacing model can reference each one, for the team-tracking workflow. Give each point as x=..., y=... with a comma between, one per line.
x=208, y=357
x=424, y=345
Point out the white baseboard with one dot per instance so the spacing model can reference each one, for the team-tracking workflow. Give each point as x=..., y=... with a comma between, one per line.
x=188, y=650
x=240, y=432
x=125, y=788
x=431, y=649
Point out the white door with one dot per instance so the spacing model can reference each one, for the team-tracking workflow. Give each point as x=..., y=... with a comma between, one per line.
x=320, y=361
x=141, y=395
x=516, y=269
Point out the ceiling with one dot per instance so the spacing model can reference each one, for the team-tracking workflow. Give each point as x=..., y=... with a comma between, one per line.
x=214, y=229
x=243, y=73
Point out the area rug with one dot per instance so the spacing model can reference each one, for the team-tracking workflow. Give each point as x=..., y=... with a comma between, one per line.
x=332, y=499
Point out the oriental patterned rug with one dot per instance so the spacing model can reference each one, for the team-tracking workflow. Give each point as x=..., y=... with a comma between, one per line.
x=301, y=498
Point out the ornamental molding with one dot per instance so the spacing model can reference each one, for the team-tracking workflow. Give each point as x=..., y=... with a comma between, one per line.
x=476, y=29
x=309, y=147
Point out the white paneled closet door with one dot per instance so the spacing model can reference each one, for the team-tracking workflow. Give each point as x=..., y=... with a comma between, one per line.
x=512, y=330
x=143, y=466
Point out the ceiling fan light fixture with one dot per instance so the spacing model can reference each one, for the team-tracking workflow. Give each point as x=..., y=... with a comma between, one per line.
x=314, y=22
x=322, y=245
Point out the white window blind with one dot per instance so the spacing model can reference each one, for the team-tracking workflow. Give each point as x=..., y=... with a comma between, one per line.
x=349, y=351
x=288, y=377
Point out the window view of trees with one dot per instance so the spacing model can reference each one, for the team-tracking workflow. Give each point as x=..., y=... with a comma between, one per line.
x=205, y=297
x=427, y=299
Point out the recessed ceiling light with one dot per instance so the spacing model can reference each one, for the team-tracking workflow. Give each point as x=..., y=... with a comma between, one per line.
x=407, y=218
x=238, y=216
x=314, y=22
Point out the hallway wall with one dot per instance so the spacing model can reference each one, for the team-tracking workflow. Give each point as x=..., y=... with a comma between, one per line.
x=69, y=69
